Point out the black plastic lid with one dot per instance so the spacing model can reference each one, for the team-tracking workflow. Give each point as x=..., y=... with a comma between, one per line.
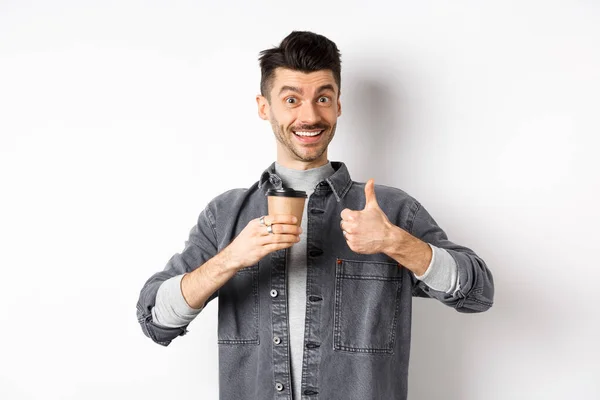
x=286, y=192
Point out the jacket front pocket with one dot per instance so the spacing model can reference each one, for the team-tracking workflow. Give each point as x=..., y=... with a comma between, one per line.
x=238, y=308
x=367, y=304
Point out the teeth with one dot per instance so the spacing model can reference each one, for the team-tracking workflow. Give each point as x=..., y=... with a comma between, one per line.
x=308, y=133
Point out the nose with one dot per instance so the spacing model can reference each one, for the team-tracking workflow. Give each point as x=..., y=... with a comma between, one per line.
x=308, y=114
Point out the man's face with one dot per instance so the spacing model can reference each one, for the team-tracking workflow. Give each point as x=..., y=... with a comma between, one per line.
x=303, y=111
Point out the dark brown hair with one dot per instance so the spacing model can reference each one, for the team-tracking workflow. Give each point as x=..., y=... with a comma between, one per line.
x=299, y=51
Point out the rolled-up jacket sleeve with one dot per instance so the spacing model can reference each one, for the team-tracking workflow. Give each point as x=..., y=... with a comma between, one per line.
x=200, y=247
x=475, y=290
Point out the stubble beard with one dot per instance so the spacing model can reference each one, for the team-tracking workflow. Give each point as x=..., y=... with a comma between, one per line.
x=288, y=141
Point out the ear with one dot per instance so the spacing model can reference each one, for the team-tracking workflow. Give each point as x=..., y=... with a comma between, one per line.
x=339, y=103
x=263, y=107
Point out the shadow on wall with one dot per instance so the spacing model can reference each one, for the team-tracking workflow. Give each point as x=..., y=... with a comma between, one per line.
x=380, y=135
x=374, y=125
x=383, y=142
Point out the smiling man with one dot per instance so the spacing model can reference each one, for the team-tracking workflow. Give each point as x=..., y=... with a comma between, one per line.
x=321, y=310
x=302, y=132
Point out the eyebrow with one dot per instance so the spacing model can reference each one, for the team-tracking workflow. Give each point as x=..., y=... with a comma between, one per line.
x=328, y=86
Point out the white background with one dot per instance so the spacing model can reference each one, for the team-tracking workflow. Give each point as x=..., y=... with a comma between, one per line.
x=120, y=120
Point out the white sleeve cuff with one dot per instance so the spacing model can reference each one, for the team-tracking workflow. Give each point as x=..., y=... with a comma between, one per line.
x=442, y=273
x=171, y=310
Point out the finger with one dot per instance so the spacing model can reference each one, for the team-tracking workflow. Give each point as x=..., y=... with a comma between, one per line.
x=279, y=229
x=347, y=214
x=370, y=199
x=270, y=239
x=269, y=248
x=347, y=236
x=281, y=219
x=348, y=228
x=286, y=228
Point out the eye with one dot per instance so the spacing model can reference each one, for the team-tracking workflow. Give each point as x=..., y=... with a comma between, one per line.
x=290, y=100
x=324, y=99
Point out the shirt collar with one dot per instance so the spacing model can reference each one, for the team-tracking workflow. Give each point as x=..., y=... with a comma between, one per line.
x=339, y=182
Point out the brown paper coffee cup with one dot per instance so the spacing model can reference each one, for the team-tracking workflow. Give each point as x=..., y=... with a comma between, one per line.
x=286, y=201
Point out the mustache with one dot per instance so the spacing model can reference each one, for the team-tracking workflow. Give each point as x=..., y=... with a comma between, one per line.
x=309, y=127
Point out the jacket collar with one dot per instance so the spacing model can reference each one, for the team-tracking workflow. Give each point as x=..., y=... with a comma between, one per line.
x=339, y=182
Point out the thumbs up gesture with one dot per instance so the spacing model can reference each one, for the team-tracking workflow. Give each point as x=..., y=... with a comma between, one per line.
x=367, y=231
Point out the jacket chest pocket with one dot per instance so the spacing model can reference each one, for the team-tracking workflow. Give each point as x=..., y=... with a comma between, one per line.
x=367, y=304
x=238, y=308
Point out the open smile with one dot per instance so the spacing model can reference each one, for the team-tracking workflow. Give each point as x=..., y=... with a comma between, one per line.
x=308, y=136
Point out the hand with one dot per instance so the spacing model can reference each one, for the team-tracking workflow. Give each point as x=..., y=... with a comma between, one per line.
x=254, y=242
x=367, y=231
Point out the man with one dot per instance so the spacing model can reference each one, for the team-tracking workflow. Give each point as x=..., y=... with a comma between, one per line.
x=322, y=310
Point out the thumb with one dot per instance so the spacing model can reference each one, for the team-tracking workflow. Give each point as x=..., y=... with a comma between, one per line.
x=371, y=200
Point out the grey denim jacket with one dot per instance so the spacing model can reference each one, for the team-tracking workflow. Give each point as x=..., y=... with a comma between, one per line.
x=358, y=309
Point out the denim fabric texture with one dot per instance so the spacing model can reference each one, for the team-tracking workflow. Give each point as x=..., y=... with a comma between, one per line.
x=358, y=308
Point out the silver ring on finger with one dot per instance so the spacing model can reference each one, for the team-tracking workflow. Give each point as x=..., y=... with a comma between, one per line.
x=270, y=229
x=261, y=220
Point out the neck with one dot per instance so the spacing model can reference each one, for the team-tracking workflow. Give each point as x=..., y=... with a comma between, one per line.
x=305, y=180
